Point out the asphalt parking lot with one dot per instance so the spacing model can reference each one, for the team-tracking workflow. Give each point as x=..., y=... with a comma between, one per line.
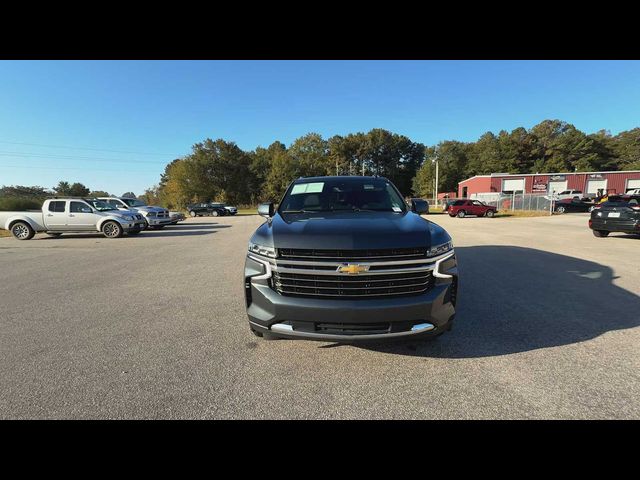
x=154, y=326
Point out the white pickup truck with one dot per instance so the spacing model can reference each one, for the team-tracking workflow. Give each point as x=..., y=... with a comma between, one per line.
x=66, y=215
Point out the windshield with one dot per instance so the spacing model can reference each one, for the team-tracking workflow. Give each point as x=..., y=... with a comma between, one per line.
x=100, y=205
x=339, y=194
x=133, y=202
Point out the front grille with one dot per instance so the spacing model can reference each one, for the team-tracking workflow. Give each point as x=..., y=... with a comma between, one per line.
x=357, y=286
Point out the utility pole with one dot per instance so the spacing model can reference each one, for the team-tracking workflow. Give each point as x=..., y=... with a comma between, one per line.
x=435, y=200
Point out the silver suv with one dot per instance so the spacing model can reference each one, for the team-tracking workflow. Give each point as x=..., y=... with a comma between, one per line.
x=155, y=217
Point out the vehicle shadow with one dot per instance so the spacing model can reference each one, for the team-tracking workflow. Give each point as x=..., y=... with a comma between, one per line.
x=189, y=226
x=168, y=231
x=514, y=299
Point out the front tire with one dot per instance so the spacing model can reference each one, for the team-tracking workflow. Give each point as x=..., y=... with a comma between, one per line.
x=461, y=214
x=112, y=229
x=215, y=213
x=601, y=233
x=193, y=214
x=560, y=210
x=490, y=213
x=22, y=231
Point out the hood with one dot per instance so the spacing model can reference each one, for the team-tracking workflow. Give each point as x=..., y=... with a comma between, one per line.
x=349, y=231
x=149, y=209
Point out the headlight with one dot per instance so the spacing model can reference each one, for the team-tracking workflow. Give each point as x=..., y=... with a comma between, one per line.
x=440, y=249
x=262, y=250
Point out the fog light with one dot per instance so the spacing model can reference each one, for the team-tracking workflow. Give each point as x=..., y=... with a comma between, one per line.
x=422, y=326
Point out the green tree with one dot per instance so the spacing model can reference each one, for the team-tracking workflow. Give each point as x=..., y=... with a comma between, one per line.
x=99, y=193
x=78, y=190
x=63, y=188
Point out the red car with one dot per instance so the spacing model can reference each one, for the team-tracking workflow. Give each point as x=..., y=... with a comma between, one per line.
x=462, y=208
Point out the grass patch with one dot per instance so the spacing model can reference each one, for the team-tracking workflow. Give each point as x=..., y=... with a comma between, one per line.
x=523, y=213
x=247, y=211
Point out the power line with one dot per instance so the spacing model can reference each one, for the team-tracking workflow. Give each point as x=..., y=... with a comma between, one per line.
x=76, y=157
x=113, y=170
x=90, y=148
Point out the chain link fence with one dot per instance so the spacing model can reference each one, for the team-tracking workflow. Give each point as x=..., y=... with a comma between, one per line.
x=504, y=202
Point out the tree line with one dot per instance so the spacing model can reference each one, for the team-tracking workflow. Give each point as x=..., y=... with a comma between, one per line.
x=20, y=197
x=218, y=170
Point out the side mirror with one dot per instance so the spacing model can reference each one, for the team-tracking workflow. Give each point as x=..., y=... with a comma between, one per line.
x=266, y=209
x=419, y=206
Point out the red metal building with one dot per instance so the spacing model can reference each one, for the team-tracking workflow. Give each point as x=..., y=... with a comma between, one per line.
x=586, y=182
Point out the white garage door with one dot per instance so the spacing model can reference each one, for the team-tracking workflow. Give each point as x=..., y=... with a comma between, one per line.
x=513, y=184
x=594, y=185
x=631, y=184
x=557, y=186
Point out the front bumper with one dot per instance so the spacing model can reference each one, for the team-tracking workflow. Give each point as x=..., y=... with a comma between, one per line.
x=154, y=221
x=373, y=319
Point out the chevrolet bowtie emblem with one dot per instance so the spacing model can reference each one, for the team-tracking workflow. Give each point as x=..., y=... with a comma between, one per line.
x=353, y=269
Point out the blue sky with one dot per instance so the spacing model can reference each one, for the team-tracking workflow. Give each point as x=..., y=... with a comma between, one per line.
x=126, y=119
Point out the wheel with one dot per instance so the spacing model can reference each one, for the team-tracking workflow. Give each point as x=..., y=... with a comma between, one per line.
x=111, y=229
x=54, y=234
x=461, y=214
x=490, y=213
x=600, y=233
x=215, y=213
x=134, y=232
x=560, y=209
x=193, y=214
x=22, y=231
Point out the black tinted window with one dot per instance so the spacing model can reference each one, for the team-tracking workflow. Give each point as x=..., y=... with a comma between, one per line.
x=56, y=206
x=457, y=203
x=78, y=207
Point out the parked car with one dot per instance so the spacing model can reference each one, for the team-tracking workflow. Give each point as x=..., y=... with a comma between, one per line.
x=155, y=217
x=565, y=194
x=71, y=215
x=230, y=210
x=462, y=208
x=619, y=216
x=344, y=258
x=572, y=205
x=635, y=191
x=205, y=208
x=447, y=203
x=176, y=217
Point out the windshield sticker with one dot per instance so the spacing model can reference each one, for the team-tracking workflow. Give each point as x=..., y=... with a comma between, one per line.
x=307, y=188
